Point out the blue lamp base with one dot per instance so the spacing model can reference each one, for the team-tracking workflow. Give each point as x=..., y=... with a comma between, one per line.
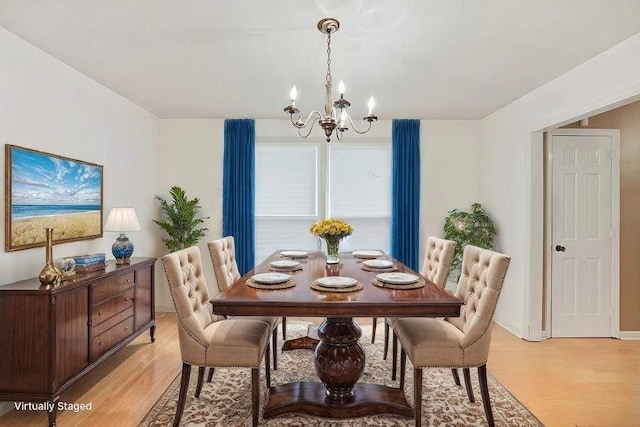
x=122, y=249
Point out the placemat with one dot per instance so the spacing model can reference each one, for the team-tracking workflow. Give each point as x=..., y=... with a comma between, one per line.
x=272, y=287
x=379, y=270
x=419, y=284
x=358, y=286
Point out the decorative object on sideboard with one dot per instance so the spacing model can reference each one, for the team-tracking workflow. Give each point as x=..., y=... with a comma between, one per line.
x=49, y=275
x=122, y=220
x=67, y=267
x=335, y=113
x=90, y=263
x=181, y=221
x=44, y=190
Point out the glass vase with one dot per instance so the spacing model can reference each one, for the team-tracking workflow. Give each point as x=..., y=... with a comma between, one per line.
x=333, y=247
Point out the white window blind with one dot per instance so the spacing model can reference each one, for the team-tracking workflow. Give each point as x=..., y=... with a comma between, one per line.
x=298, y=184
x=360, y=193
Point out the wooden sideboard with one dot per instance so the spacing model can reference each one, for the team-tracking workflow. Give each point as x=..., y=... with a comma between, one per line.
x=51, y=337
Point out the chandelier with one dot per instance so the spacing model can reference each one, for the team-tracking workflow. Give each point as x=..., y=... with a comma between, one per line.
x=335, y=113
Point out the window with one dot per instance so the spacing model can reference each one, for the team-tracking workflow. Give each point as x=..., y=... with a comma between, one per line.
x=298, y=183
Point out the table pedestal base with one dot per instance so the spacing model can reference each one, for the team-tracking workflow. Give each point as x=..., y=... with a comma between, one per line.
x=310, y=398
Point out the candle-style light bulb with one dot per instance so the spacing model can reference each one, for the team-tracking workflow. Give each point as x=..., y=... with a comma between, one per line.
x=343, y=117
x=341, y=88
x=371, y=104
x=293, y=94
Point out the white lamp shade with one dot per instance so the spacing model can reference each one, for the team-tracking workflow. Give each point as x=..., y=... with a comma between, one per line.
x=122, y=219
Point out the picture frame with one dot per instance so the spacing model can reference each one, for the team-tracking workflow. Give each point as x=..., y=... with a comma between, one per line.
x=45, y=190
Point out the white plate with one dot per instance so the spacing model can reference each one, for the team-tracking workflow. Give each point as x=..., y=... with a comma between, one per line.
x=284, y=264
x=271, y=278
x=397, y=278
x=377, y=263
x=367, y=254
x=295, y=254
x=336, y=282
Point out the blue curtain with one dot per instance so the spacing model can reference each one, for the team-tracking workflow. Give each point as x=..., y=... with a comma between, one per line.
x=405, y=197
x=238, y=189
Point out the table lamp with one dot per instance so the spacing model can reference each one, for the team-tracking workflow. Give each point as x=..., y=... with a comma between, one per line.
x=121, y=220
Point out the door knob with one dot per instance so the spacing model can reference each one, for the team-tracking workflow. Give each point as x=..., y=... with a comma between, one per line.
x=560, y=248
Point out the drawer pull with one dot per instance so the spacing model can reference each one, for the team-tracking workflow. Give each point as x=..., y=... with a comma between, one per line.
x=128, y=280
x=126, y=328
x=100, y=343
x=99, y=312
x=136, y=299
x=102, y=291
x=127, y=299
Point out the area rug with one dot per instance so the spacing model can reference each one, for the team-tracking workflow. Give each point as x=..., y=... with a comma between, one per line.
x=226, y=401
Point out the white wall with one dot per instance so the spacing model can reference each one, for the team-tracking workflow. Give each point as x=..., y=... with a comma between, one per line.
x=48, y=106
x=513, y=163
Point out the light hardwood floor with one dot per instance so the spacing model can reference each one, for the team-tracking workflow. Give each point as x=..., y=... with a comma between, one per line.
x=564, y=382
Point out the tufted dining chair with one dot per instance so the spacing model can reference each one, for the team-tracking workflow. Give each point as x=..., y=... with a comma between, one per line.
x=225, y=267
x=458, y=342
x=207, y=341
x=435, y=267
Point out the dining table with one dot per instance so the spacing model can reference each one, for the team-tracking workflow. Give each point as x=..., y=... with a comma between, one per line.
x=339, y=358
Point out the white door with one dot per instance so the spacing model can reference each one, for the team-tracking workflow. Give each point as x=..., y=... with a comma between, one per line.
x=582, y=235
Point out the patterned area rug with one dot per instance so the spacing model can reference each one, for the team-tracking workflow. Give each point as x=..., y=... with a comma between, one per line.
x=226, y=401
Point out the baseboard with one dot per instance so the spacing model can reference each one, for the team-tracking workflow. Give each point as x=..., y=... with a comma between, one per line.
x=165, y=308
x=515, y=331
x=629, y=335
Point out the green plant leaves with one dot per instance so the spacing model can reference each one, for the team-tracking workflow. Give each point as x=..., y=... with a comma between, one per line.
x=469, y=228
x=181, y=221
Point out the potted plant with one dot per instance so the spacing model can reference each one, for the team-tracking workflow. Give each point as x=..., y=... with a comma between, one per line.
x=182, y=222
x=468, y=228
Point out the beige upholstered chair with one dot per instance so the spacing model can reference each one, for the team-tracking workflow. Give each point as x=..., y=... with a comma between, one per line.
x=206, y=341
x=460, y=342
x=435, y=267
x=223, y=257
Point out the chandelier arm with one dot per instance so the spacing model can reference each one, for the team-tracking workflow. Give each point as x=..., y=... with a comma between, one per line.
x=309, y=120
x=353, y=126
x=300, y=124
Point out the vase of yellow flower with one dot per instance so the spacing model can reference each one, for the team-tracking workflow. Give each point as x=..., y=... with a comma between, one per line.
x=332, y=230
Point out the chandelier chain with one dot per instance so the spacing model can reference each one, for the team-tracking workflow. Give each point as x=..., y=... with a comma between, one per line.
x=328, y=77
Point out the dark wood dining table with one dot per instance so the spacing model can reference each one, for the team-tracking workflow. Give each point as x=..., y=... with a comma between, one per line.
x=339, y=358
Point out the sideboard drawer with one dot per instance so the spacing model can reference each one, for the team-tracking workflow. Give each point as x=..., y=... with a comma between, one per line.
x=111, y=322
x=103, y=342
x=112, y=286
x=120, y=302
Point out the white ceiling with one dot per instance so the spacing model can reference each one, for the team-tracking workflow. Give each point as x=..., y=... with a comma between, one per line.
x=438, y=59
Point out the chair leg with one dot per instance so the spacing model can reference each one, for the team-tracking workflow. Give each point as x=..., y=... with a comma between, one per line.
x=284, y=329
x=184, y=385
x=403, y=366
x=267, y=364
x=201, y=371
x=394, y=354
x=373, y=330
x=275, y=348
x=210, y=377
x=484, y=390
x=456, y=377
x=467, y=383
x=386, y=340
x=255, y=394
x=417, y=395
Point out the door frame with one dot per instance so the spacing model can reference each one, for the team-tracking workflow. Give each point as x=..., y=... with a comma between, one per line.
x=615, y=222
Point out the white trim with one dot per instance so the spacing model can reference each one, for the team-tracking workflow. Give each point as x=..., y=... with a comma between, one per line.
x=614, y=134
x=509, y=327
x=629, y=335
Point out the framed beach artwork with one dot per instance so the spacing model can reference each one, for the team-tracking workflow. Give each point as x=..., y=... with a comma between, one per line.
x=44, y=190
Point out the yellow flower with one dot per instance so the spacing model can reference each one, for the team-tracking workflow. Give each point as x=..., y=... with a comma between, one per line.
x=331, y=227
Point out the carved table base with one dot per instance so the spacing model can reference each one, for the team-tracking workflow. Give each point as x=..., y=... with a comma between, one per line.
x=339, y=361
